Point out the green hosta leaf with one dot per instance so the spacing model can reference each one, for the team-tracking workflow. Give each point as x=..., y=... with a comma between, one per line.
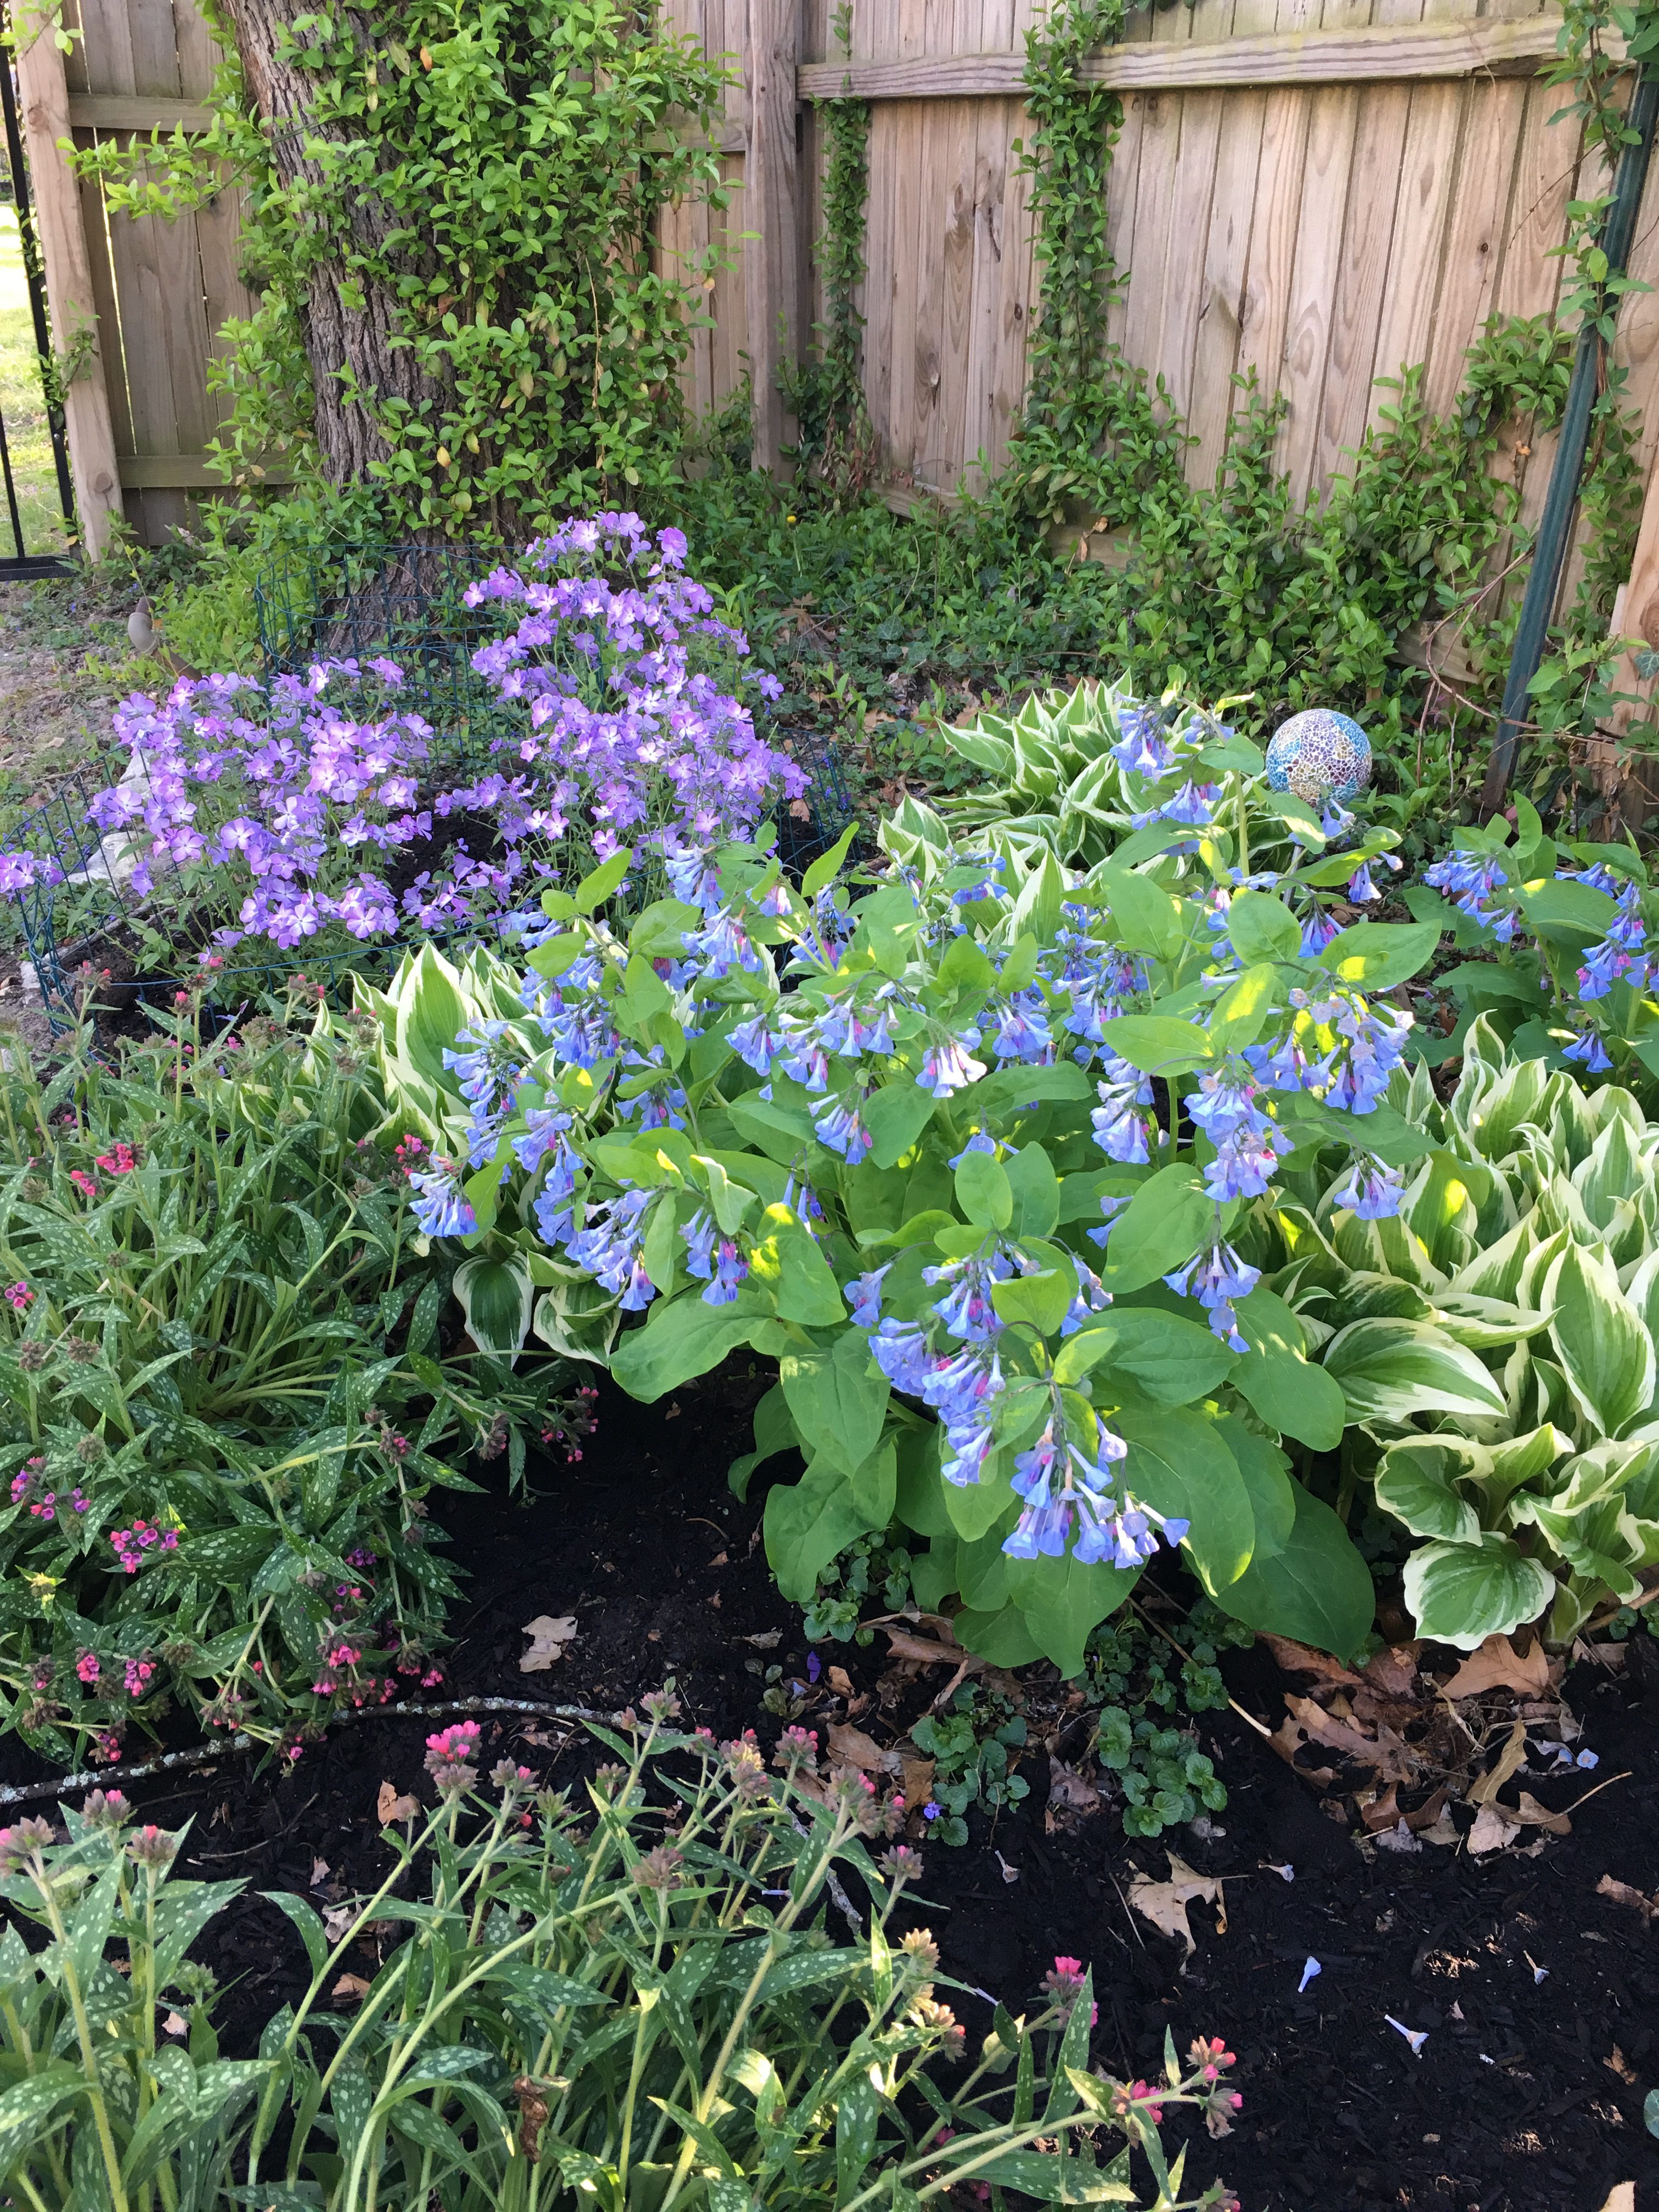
x=837, y=1397
x=1416, y=1482
x=1393, y=1371
x=431, y=1014
x=1604, y=1348
x=1461, y=1594
x=1178, y=1463
x=1317, y=1589
x=497, y=1297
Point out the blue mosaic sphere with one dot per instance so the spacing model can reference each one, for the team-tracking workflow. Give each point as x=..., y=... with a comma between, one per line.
x=1319, y=753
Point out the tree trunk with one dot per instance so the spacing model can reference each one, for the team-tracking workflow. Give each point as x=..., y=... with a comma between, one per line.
x=351, y=350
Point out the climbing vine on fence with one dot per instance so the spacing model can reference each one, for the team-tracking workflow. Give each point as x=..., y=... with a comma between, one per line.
x=827, y=396
x=487, y=183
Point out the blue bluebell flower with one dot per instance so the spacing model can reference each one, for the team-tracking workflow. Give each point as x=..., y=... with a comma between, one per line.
x=946, y=1067
x=1371, y=1191
x=441, y=1208
x=1589, y=1051
x=1215, y=1278
x=863, y=1296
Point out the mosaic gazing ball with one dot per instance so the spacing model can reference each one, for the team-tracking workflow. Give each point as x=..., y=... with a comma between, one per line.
x=1318, y=755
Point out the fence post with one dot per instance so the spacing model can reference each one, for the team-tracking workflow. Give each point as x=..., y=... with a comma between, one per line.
x=771, y=216
x=43, y=99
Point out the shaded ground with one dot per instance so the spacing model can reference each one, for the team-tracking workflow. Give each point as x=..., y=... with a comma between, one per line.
x=1539, y=1996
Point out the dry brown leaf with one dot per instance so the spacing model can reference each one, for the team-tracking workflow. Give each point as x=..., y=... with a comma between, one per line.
x=1388, y=1753
x=916, y=1778
x=390, y=1807
x=903, y=1645
x=1296, y=1658
x=850, y=1746
x=1491, y=1831
x=1392, y=1672
x=1497, y=1825
x=338, y=1923
x=1287, y=1740
x=841, y=1681
x=1621, y=2198
x=1540, y=1816
x=320, y=1871
x=1071, y=1788
x=1498, y=1665
x=350, y=1988
x=1164, y=1903
x=1509, y=1761
x=547, y=1639
x=768, y=1640
x=1620, y=2065
x=175, y=2024
x=1621, y=1893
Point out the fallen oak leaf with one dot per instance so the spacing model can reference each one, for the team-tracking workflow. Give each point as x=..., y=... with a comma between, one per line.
x=1294, y=1658
x=547, y=1639
x=903, y=1645
x=1509, y=1761
x=850, y=1746
x=390, y=1807
x=1164, y=1903
x=916, y=1778
x=1388, y=1754
x=1498, y=1665
x=1070, y=1790
x=1623, y=1892
x=768, y=1640
x=350, y=1988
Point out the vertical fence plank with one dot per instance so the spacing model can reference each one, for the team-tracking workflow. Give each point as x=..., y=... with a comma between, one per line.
x=1226, y=260
x=1277, y=219
x=44, y=102
x=771, y=217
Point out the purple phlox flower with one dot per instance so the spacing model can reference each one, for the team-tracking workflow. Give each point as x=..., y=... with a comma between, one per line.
x=1589, y=1050
x=1021, y=1031
x=946, y=1066
x=441, y=1208
x=1371, y=1191
x=1215, y=1278
x=863, y=1296
x=1121, y=1131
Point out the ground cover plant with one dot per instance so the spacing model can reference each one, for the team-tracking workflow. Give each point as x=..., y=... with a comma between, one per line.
x=631, y=1998
x=224, y=1409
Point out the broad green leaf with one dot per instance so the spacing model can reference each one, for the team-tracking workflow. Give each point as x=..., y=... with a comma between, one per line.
x=827, y=866
x=1461, y=1594
x=431, y=1015
x=837, y=1397
x=896, y=1117
x=1416, y=1482
x=682, y=1337
x=1179, y=1464
x=1317, y=1589
x=779, y=1131
x=1036, y=1188
x=1164, y=1358
x=1266, y=1471
x=1160, y=1044
x=983, y=1191
x=1165, y=1222
x=1042, y=1301
x=1375, y=955
x=497, y=1298
x=1062, y=1600
x=1393, y=1371
x=787, y=1263
x=598, y=886
x=1242, y=1013
x=1262, y=928
x=807, y=1523
x=1001, y=1638
x=1603, y=1345
x=775, y=1431
x=1148, y=919
x=973, y=1507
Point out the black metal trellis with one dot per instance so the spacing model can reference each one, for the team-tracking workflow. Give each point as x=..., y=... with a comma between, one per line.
x=21, y=562
x=406, y=602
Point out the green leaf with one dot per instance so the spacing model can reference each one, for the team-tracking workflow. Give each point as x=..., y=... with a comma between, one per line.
x=1167, y=1221
x=1266, y=1472
x=1263, y=927
x=858, y=2109
x=1167, y=1359
x=896, y=1117
x=497, y=1297
x=975, y=1507
x=983, y=1191
x=1375, y=955
x=1062, y=1600
x=1393, y=1370
x=431, y=1014
x=779, y=1131
x=1041, y=1301
x=775, y=1431
x=1179, y=1464
x=787, y=1264
x=1416, y=1482
x=1148, y=919
x=1001, y=1638
x=1036, y=1188
x=1461, y=1594
x=825, y=869
x=29, y=2108
x=595, y=888
x=1276, y=1381
x=1159, y=1044
x=807, y=1523
x=1605, y=1350
x=837, y=1398
x=1318, y=1589
x=682, y=1337
x=1242, y=1013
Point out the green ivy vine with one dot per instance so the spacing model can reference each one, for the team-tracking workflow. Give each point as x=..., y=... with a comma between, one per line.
x=488, y=183
x=837, y=439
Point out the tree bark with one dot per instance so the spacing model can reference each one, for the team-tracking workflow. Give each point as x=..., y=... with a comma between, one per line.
x=351, y=350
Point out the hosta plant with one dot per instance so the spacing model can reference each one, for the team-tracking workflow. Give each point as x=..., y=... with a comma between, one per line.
x=628, y=1999
x=1495, y=1343
x=975, y=1151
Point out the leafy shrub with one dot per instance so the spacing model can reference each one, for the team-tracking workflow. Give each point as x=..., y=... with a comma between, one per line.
x=633, y=2001
x=218, y=1462
x=1496, y=1343
x=621, y=1141
x=246, y=809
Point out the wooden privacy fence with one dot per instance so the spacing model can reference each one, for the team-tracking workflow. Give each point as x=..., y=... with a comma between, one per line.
x=1318, y=190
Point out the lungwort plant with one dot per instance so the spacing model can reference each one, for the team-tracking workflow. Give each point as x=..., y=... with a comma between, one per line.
x=632, y=2001
x=978, y=1152
x=1495, y=1342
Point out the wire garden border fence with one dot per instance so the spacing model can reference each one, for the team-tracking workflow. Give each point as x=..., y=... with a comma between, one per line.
x=357, y=602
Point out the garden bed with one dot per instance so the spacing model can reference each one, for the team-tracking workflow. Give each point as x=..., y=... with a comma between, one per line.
x=1530, y=2101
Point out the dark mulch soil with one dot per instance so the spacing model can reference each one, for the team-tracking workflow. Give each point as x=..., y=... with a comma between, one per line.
x=1526, y=2095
